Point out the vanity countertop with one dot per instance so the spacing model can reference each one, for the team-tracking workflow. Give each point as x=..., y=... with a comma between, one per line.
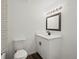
x=49, y=37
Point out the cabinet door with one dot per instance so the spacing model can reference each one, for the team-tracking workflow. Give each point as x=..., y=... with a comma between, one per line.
x=55, y=49
x=38, y=45
x=42, y=47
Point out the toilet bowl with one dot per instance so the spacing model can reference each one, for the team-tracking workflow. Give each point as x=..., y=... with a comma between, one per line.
x=20, y=54
x=19, y=46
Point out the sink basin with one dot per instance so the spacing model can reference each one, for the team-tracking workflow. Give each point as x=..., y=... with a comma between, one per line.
x=49, y=37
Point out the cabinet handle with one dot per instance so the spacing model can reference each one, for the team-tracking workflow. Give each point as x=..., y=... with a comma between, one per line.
x=40, y=43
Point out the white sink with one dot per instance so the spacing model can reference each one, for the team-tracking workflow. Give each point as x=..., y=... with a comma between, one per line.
x=48, y=37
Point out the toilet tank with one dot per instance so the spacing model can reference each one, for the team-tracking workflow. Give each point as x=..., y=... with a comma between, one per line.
x=49, y=47
x=19, y=43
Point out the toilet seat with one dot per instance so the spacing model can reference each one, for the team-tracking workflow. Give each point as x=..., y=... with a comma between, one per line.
x=20, y=54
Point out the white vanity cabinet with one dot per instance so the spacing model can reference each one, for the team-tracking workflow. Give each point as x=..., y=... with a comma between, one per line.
x=48, y=47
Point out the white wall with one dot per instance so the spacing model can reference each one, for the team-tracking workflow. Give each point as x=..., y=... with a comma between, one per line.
x=69, y=28
x=25, y=17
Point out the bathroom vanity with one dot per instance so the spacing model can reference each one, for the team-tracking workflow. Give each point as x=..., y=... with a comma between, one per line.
x=49, y=46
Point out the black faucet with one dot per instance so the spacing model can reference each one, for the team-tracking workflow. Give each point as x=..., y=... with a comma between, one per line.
x=48, y=33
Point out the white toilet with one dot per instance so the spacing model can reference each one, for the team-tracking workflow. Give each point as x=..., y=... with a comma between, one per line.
x=18, y=46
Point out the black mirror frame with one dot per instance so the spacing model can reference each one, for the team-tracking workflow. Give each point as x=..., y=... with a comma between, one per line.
x=59, y=29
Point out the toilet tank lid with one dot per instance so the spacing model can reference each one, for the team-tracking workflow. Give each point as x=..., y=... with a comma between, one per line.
x=20, y=54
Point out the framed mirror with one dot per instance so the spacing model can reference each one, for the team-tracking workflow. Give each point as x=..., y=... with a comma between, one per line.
x=53, y=22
